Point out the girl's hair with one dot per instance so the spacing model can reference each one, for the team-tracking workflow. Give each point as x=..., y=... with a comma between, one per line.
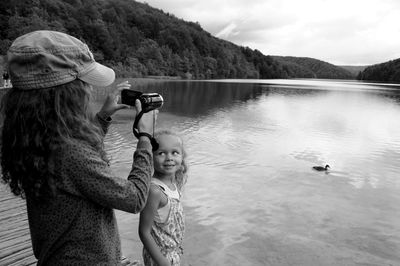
x=181, y=174
x=36, y=124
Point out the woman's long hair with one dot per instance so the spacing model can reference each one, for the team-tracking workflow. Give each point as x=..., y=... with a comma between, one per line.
x=36, y=124
x=181, y=174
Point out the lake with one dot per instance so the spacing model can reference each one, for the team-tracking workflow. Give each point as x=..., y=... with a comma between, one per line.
x=252, y=197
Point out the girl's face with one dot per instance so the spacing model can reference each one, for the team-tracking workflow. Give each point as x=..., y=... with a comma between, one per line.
x=168, y=157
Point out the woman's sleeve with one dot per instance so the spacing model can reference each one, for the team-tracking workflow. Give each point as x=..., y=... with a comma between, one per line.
x=84, y=173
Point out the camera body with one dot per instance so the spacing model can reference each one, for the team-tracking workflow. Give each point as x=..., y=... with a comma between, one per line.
x=149, y=101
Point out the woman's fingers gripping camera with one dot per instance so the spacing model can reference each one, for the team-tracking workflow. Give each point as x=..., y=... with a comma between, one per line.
x=148, y=120
x=111, y=104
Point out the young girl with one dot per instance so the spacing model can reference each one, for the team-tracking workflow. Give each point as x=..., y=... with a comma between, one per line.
x=161, y=225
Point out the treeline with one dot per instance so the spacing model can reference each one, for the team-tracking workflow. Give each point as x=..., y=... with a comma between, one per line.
x=388, y=72
x=138, y=40
x=312, y=68
x=354, y=70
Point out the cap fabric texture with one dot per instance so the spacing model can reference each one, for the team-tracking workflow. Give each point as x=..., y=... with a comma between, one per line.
x=43, y=59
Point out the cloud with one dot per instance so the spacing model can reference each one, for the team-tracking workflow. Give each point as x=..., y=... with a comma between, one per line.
x=228, y=31
x=337, y=31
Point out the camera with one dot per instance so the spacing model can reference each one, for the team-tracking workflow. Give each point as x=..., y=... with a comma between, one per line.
x=150, y=101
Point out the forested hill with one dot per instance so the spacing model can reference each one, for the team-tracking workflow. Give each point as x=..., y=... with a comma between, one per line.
x=355, y=70
x=388, y=72
x=313, y=68
x=138, y=40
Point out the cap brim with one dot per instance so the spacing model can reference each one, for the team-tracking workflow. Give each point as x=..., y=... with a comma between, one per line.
x=100, y=75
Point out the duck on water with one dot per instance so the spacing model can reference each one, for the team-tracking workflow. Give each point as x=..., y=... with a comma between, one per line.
x=321, y=168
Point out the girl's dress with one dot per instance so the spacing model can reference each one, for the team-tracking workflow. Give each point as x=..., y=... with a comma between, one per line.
x=168, y=228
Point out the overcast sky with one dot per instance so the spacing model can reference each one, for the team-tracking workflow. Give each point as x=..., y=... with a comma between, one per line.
x=341, y=32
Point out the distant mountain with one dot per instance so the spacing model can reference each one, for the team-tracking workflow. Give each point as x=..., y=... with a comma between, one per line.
x=354, y=70
x=387, y=72
x=312, y=68
x=139, y=40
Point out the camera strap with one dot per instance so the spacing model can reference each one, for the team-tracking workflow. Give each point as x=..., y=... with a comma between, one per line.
x=153, y=141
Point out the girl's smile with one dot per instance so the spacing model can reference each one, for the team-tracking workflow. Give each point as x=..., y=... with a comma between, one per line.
x=168, y=157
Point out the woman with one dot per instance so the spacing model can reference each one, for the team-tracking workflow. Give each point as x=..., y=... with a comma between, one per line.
x=52, y=151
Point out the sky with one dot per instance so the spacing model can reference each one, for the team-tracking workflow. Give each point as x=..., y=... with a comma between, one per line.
x=341, y=32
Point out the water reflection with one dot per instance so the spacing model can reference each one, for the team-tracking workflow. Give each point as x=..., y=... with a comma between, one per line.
x=240, y=125
x=194, y=98
x=251, y=147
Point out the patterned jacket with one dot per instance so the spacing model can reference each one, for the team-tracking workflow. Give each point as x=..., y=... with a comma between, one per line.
x=78, y=226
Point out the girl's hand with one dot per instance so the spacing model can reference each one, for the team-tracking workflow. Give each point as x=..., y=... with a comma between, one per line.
x=111, y=104
x=126, y=262
x=165, y=263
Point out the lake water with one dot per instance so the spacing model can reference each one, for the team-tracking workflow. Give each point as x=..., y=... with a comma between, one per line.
x=252, y=197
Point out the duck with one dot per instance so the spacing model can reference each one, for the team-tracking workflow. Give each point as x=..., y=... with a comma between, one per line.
x=321, y=168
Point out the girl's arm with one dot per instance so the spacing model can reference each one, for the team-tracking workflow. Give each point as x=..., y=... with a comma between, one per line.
x=146, y=221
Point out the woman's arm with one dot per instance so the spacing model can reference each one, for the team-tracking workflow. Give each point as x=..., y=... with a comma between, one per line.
x=146, y=222
x=82, y=171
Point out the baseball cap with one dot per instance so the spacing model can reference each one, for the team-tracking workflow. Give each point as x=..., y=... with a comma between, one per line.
x=43, y=59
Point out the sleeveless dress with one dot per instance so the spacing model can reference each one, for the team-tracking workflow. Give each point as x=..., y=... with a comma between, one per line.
x=168, y=228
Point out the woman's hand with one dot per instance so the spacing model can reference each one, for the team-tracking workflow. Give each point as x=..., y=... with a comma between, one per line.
x=148, y=121
x=111, y=104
